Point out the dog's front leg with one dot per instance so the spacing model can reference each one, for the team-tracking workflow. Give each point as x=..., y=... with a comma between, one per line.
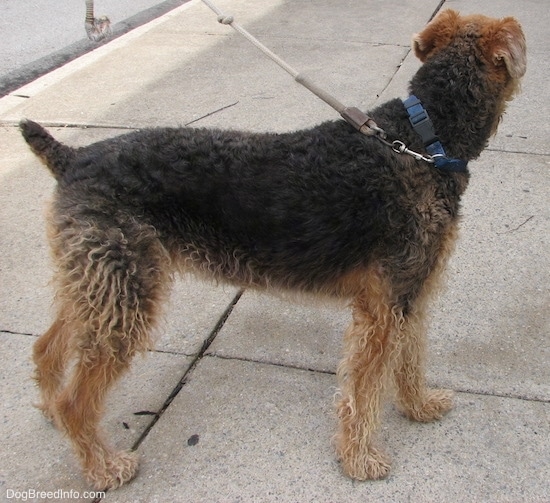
x=417, y=401
x=370, y=348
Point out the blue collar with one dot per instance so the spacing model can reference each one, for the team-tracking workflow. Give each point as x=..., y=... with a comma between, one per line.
x=422, y=124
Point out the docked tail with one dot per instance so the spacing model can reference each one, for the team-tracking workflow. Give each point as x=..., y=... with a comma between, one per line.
x=53, y=154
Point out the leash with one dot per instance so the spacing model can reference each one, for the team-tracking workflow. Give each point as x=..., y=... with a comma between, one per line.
x=360, y=121
x=352, y=115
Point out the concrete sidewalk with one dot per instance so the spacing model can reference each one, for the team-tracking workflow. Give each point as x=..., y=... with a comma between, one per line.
x=260, y=400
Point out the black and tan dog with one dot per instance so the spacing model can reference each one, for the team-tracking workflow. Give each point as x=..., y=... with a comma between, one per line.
x=325, y=210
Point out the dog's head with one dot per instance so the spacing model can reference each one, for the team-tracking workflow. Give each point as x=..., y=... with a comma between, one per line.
x=500, y=43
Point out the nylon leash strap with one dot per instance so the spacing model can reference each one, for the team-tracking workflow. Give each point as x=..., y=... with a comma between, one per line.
x=359, y=120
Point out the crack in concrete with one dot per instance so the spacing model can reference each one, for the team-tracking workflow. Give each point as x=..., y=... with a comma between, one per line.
x=206, y=344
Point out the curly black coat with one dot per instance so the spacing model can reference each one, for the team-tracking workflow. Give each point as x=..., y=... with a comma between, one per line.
x=298, y=209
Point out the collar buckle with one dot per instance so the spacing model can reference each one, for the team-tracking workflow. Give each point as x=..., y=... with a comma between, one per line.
x=423, y=126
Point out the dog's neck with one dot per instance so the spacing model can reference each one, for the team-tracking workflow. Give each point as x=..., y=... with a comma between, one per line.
x=463, y=110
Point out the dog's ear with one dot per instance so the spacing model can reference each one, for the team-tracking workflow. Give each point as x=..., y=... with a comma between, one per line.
x=508, y=47
x=438, y=33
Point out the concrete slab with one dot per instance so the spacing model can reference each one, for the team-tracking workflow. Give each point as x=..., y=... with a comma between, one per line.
x=34, y=454
x=25, y=271
x=491, y=327
x=398, y=87
x=262, y=433
x=372, y=22
x=270, y=329
x=194, y=309
x=196, y=51
x=269, y=99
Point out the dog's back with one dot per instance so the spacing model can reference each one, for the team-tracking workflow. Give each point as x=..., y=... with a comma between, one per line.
x=230, y=198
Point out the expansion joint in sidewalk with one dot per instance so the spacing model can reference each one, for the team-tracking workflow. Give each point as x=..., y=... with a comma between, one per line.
x=495, y=394
x=206, y=344
x=437, y=9
x=273, y=364
x=11, y=332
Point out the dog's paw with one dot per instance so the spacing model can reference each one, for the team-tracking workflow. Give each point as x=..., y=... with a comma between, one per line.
x=433, y=406
x=116, y=469
x=371, y=465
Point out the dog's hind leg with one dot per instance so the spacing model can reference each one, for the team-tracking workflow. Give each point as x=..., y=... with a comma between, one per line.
x=78, y=410
x=115, y=280
x=50, y=355
x=370, y=350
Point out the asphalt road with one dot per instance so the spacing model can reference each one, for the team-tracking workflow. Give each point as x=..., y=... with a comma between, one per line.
x=38, y=36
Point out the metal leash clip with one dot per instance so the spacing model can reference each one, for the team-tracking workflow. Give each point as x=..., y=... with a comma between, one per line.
x=401, y=148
